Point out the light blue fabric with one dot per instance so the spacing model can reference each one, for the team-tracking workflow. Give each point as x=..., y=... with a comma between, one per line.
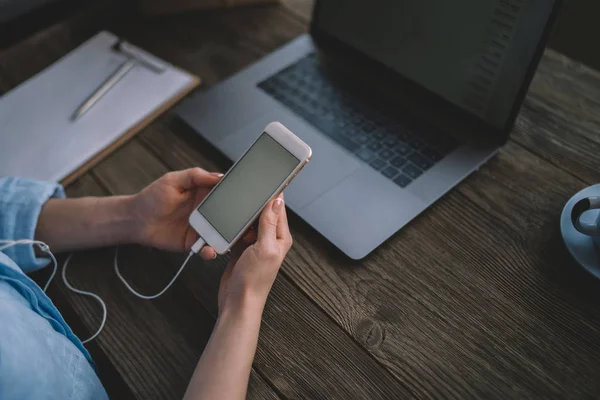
x=40, y=357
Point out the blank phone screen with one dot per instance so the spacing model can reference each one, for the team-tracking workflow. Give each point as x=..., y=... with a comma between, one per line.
x=248, y=186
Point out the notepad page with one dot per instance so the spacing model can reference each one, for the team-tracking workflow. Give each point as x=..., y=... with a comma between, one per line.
x=37, y=138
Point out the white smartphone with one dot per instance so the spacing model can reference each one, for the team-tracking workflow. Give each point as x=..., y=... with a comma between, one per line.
x=263, y=171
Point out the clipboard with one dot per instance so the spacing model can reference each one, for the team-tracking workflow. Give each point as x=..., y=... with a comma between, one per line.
x=39, y=140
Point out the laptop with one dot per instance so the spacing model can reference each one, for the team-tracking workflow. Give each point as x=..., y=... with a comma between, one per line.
x=400, y=100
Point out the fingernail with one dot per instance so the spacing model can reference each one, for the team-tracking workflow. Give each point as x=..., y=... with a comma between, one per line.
x=217, y=174
x=215, y=256
x=277, y=205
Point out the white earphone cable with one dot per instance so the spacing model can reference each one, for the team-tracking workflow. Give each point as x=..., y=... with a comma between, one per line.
x=85, y=293
x=5, y=244
x=42, y=246
x=149, y=297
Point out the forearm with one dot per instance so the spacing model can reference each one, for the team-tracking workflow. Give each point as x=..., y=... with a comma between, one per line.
x=224, y=368
x=73, y=224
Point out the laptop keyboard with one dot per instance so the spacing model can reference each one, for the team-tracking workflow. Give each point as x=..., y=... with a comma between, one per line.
x=374, y=136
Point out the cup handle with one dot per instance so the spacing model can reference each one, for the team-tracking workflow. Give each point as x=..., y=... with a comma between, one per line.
x=583, y=205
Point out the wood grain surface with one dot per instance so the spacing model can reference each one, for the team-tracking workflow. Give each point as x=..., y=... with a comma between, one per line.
x=476, y=298
x=293, y=326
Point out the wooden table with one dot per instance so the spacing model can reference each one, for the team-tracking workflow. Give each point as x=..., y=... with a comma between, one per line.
x=476, y=298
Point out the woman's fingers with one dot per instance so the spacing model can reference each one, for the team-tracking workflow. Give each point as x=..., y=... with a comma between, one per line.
x=193, y=178
x=283, y=229
x=250, y=237
x=208, y=253
x=267, y=224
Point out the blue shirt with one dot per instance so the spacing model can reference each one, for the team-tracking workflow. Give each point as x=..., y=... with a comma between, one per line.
x=40, y=357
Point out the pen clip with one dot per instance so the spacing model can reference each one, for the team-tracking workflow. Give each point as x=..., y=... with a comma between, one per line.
x=139, y=56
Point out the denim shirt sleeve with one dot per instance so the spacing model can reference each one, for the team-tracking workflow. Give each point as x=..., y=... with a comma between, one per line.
x=21, y=201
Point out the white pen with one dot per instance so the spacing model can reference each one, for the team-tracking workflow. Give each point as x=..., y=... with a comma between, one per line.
x=135, y=57
x=103, y=88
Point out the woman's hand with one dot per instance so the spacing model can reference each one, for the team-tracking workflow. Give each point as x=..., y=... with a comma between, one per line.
x=224, y=368
x=162, y=210
x=253, y=268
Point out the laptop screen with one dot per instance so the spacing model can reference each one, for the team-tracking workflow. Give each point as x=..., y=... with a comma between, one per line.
x=473, y=53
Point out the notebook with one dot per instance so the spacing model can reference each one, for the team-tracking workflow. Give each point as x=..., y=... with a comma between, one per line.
x=39, y=140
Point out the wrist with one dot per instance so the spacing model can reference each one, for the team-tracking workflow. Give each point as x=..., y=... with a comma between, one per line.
x=131, y=227
x=246, y=305
x=72, y=224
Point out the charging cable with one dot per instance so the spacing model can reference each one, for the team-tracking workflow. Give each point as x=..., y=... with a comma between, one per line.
x=195, y=249
x=5, y=244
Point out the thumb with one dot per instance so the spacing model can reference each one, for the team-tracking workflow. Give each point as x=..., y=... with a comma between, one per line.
x=192, y=178
x=267, y=225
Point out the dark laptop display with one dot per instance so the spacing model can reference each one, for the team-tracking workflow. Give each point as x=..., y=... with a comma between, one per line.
x=473, y=53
